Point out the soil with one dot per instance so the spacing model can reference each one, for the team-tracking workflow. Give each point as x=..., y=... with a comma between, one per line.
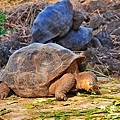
x=79, y=107
x=104, y=17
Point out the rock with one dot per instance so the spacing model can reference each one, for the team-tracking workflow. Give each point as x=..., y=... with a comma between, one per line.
x=110, y=15
x=116, y=32
x=104, y=38
x=96, y=22
x=113, y=25
x=3, y=57
x=103, y=79
x=94, y=5
x=118, y=39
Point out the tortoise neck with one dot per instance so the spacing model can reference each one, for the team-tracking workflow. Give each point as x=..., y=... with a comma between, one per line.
x=78, y=83
x=73, y=68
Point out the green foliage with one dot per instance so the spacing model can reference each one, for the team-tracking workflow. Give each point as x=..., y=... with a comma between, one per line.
x=109, y=112
x=2, y=20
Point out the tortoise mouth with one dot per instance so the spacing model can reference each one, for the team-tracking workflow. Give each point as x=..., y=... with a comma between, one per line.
x=95, y=91
x=98, y=93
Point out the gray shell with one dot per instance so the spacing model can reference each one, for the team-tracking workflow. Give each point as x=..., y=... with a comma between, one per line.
x=76, y=40
x=31, y=69
x=55, y=20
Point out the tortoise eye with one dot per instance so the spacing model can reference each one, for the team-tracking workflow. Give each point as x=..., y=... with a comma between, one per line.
x=91, y=84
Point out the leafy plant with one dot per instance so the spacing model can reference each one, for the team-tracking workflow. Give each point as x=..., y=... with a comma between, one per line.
x=2, y=20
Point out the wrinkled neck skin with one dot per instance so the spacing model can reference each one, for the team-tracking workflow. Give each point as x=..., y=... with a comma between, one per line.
x=86, y=82
x=74, y=69
x=77, y=86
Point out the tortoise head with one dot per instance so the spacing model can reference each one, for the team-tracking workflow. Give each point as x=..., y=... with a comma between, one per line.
x=87, y=81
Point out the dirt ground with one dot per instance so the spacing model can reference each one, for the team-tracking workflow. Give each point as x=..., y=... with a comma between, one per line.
x=103, y=61
x=79, y=107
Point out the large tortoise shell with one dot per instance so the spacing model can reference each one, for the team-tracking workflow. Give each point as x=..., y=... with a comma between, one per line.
x=32, y=68
x=54, y=20
x=76, y=40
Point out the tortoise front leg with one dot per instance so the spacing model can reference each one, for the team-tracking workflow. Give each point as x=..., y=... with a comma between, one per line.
x=4, y=90
x=62, y=86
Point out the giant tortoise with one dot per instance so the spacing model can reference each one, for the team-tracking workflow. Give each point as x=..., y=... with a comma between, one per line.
x=40, y=70
x=79, y=40
x=55, y=21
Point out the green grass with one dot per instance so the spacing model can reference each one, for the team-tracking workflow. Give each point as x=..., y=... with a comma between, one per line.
x=108, y=112
x=104, y=112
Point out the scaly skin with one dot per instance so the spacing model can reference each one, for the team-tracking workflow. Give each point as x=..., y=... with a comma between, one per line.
x=4, y=90
x=62, y=86
x=78, y=18
x=87, y=81
x=83, y=80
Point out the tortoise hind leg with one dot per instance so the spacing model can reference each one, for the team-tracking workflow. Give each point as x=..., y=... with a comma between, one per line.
x=4, y=90
x=95, y=42
x=62, y=86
